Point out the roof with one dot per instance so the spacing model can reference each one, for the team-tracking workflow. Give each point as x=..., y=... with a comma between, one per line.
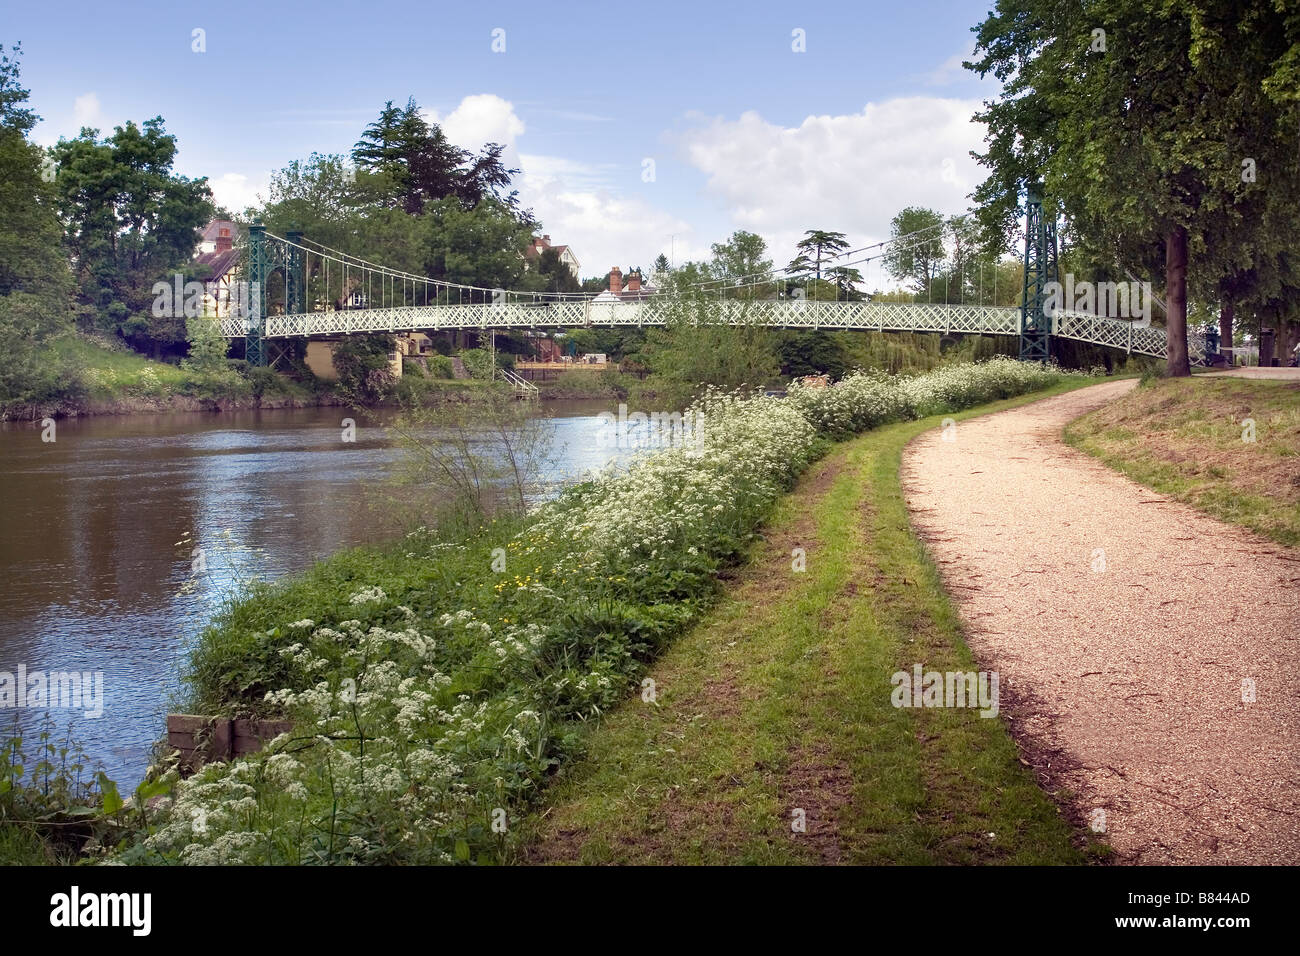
x=213, y=229
x=645, y=292
x=219, y=263
x=532, y=252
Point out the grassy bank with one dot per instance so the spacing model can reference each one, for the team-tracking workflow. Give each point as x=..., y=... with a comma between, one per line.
x=779, y=701
x=1193, y=439
x=438, y=685
x=98, y=377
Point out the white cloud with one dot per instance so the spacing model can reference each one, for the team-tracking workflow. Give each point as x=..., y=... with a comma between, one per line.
x=482, y=118
x=236, y=191
x=604, y=228
x=849, y=173
x=572, y=198
x=86, y=110
x=950, y=70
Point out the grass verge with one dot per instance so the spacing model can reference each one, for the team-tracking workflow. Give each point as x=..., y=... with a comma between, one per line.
x=779, y=701
x=1226, y=446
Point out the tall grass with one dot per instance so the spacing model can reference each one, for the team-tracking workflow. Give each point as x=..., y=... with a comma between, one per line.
x=435, y=686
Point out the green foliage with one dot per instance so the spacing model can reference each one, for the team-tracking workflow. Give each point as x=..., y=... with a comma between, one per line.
x=616, y=343
x=817, y=249
x=208, y=347
x=478, y=246
x=478, y=362
x=444, y=679
x=54, y=809
x=1140, y=136
x=693, y=352
x=440, y=366
x=13, y=115
x=421, y=166
x=363, y=366
x=741, y=266
x=34, y=279
x=915, y=257
x=129, y=222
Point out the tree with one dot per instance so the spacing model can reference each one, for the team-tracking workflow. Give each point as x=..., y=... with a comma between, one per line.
x=816, y=247
x=845, y=280
x=693, y=350
x=660, y=269
x=551, y=275
x=13, y=115
x=1140, y=132
x=916, y=247
x=478, y=246
x=742, y=264
x=419, y=165
x=34, y=279
x=363, y=368
x=128, y=222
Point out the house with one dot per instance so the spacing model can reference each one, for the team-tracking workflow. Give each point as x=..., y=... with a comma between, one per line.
x=218, y=253
x=533, y=251
x=633, y=291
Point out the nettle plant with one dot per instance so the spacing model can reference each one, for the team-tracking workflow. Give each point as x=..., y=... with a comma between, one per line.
x=433, y=695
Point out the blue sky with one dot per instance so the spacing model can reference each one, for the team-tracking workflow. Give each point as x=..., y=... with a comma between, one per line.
x=743, y=131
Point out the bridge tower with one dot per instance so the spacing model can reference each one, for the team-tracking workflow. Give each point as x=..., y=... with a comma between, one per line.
x=259, y=270
x=295, y=264
x=1040, y=269
x=266, y=255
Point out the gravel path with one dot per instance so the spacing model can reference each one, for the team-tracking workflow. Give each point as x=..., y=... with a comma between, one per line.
x=1124, y=680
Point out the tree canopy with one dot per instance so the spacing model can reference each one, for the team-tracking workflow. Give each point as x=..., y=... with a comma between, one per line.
x=1142, y=119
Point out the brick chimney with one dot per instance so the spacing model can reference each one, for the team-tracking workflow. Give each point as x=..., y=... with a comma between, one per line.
x=225, y=242
x=634, y=282
x=615, y=280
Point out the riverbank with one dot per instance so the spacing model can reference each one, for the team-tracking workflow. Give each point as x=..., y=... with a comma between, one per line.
x=444, y=682
x=106, y=379
x=1227, y=446
x=772, y=738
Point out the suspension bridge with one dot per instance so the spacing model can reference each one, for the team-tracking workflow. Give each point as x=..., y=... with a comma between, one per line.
x=322, y=292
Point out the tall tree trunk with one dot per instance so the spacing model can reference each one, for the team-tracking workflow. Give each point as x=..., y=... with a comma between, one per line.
x=1289, y=336
x=1176, y=298
x=1225, y=329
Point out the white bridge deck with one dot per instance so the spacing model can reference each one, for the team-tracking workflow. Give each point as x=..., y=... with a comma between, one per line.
x=880, y=316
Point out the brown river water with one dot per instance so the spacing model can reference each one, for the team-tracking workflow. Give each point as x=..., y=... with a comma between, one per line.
x=93, y=581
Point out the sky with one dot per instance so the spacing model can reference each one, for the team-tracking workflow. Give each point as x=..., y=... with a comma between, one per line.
x=639, y=129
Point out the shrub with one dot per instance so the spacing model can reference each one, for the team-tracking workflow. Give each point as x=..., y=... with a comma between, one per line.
x=440, y=366
x=438, y=683
x=478, y=362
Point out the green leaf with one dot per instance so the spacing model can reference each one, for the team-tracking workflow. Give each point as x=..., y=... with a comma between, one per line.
x=148, y=790
x=112, y=799
x=462, y=850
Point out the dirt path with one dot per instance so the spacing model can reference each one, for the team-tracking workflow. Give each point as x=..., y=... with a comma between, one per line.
x=1125, y=679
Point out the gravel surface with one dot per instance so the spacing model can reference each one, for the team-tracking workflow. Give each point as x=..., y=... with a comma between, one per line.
x=1124, y=680
x=1280, y=374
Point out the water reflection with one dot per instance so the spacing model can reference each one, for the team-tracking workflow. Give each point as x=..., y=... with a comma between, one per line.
x=97, y=532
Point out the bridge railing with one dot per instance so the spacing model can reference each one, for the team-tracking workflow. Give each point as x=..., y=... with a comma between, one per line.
x=1123, y=335
x=883, y=316
x=792, y=314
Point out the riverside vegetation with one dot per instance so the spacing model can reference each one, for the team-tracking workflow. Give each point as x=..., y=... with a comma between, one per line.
x=436, y=684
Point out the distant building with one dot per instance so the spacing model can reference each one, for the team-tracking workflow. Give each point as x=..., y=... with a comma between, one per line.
x=217, y=251
x=534, y=250
x=633, y=291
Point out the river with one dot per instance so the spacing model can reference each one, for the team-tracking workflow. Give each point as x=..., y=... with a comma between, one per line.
x=98, y=530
